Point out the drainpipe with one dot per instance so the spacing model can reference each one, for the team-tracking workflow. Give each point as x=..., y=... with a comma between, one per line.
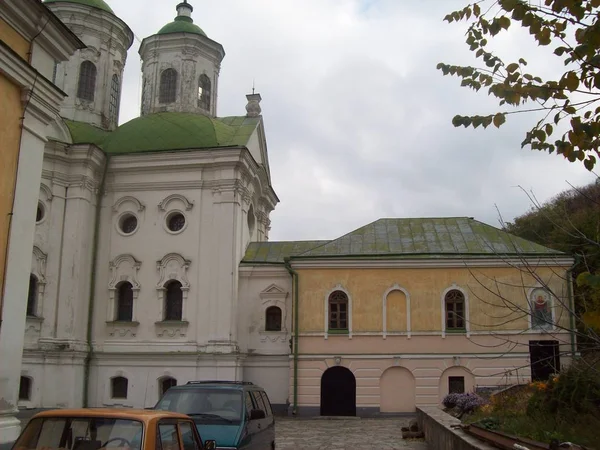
x=294, y=275
x=572, y=304
x=90, y=352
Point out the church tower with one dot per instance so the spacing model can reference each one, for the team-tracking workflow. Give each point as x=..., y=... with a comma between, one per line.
x=93, y=77
x=180, y=67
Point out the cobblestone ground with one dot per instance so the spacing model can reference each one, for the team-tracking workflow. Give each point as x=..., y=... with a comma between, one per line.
x=355, y=434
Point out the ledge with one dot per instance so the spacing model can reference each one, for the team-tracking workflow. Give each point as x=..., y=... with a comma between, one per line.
x=440, y=434
x=122, y=329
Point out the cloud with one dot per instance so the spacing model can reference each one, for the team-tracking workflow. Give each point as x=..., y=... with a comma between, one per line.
x=357, y=117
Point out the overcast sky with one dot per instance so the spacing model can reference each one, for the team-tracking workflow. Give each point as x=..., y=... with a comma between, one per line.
x=358, y=119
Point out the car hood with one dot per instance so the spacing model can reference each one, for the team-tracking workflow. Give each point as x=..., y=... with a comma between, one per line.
x=225, y=435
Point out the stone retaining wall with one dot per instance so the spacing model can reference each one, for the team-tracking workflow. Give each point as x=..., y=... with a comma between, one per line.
x=436, y=424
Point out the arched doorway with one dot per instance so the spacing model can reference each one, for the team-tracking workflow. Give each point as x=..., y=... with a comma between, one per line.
x=338, y=392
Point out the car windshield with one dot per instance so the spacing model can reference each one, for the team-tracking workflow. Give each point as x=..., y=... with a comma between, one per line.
x=80, y=433
x=204, y=405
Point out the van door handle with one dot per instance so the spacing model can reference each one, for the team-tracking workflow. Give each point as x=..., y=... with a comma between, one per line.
x=259, y=426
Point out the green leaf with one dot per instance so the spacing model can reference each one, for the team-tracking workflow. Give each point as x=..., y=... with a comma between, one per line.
x=512, y=67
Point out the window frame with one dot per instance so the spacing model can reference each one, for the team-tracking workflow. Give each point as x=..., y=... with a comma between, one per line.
x=113, y=380
x=32, y=295
x=114, y=99
x=178, y=317
x=268, y=323
x=29, y=388
x=333, y=301
x=167, y=90
x=204, y=92
x=462, y=301
x=119, y=305
x=86, y=82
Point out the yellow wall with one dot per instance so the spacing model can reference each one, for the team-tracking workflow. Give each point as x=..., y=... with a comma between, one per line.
x=488, y=310
x=10, y=130
x=14, y=40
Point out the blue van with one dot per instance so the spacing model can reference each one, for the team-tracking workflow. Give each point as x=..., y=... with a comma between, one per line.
x=236, y=414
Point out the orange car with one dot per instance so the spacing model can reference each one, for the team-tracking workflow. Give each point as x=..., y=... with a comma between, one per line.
x=110, y=429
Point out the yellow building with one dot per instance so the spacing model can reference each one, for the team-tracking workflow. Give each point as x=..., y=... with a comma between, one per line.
x=32, y=42
x=401, y=312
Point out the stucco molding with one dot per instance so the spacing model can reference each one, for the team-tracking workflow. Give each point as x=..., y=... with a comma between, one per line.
x=46, y=191
x=123, y=268
x=139, y=206
x=187, y=204
x=341, y=288
x=38, y=270
x=467, y=318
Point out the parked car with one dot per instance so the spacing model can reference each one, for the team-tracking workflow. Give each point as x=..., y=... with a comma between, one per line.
x=95, y=429
x=235, y=414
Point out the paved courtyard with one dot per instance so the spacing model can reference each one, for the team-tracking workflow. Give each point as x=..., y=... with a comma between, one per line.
x=363, y=434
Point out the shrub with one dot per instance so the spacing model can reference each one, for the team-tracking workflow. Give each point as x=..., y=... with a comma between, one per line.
x=465, y=403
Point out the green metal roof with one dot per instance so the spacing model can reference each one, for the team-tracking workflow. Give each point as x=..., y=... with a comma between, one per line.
x=428, y=238
x=182, y=24
x=99, y=4
x=84, y=133
x=167, y=132
x=275, y=252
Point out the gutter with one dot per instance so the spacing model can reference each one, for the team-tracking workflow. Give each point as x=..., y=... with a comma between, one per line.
x=294, y=275
x=90, y=352
x=572, y=305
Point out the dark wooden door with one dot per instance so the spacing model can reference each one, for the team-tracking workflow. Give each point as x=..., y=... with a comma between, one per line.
x=338, y=392
x=545, y=359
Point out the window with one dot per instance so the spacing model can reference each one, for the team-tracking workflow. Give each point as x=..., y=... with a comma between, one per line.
x=456, y=385
x=169, y=439
x=166, y=384
x=249, y=404
x=40, y=213
x=25, y=389
x=204, y=92
x=541, y=309
x=455, y=310
x=168, y=86
x=128, y=223
x=113, y=105
x=125, y=302
x=118, y=387
x=175, y=222
x=267, y=403
x=338, y=311
x=87, y=81
x=32, y=296
x=187, y=436
x=259, y=401
x=174, y=301
x=273, y=319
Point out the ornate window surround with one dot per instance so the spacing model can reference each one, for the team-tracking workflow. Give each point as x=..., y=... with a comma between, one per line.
x=453, y=287
x=123, y=268
x=338, y=287
x=38, y=269
x=172, y=266
x=396, y=287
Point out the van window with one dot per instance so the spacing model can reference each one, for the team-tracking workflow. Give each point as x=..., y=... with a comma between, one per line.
x=204, y=405
x=187, y=436
x=169, y=439
x=258, y=401
x=249, y=404
x=267, y=403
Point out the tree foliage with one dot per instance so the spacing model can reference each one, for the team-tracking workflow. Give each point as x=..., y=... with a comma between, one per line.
x=571, y=28
x=570, y=222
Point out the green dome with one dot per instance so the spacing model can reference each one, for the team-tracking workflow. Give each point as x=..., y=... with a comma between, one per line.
x=99, y=4
x=181, y=24
x=169, y=131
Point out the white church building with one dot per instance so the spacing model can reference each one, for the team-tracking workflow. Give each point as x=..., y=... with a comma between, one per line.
x=135, y=280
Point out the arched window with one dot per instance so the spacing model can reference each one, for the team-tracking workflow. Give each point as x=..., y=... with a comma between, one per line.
x=455, y=310
x=541, y=309
x=204, y=92
x=166, y=384
x=338, y=311
x=25, y=389
x=168, y=86
x=273, y=319
x=173, y=301
x=113, y=106
x=87, y=81
x=118, y=387
x=32, y=296
x=125, y=302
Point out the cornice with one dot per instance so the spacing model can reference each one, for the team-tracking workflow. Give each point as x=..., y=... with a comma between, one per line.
x=433, y=263
x=248, y=270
